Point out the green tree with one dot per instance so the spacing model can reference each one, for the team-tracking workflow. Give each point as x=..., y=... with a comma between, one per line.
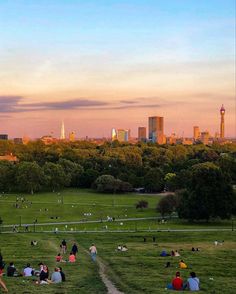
x=209, y=194
x=72, y=170
x=167, y=205
x=171, y=182
x=154, y=180
x=7, y=176
x=109, y=184
x=88, y=177
x=29, y=177
x=55, y=176
x=141, y=204
x=106, y=183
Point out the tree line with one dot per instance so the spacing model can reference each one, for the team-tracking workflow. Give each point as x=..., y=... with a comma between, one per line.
x=198, y=171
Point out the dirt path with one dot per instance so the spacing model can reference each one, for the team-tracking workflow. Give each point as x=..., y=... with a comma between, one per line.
x=111, y=288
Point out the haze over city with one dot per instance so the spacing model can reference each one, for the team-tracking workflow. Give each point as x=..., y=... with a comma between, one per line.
x=103, y=64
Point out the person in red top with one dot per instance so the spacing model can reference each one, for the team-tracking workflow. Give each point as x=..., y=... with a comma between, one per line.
x=58, y=257
x=177, y=282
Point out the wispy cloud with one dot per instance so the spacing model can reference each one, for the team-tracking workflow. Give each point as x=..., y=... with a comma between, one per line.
x=14, y=104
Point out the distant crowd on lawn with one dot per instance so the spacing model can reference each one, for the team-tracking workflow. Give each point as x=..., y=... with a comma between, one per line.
x=42, y=272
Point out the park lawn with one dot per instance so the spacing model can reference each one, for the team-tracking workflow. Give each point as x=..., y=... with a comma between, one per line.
x=81, y=277
x=139, y=270
x=77, y=203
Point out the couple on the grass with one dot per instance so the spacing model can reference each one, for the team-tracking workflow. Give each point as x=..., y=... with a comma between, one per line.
x=178, y=284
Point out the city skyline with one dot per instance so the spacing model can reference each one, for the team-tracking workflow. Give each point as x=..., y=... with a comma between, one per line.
x=113, y=64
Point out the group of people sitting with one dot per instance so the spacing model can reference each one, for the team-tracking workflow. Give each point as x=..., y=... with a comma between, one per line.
x=57, y=276
x=172, y=253
x=122, y=248
x=71, y=258
x=178, y=284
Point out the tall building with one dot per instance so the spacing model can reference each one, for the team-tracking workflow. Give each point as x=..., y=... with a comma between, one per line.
x=62, y=137
x=72, y=137
x=142, y=134
x=196, y=133
x=123, y=135
x=3, y=137
x=156, y=129
x=205, y=137
x=172, y=139
x=113, y=134
x=222, y=122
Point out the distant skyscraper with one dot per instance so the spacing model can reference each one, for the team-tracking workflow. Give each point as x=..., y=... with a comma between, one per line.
x=156, y=129
x=72, y=136
x=172, y=139
x=222, y=122
x=3, y=137
x=142, y=134
x=196, y=133
x=123, y=135
x=205, y=137
x=113, y=134
x=62, y=137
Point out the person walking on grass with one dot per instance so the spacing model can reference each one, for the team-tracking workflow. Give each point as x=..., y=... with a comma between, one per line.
x=3, y=285
x=63, y=246
x=74, y=249
x=93, y=252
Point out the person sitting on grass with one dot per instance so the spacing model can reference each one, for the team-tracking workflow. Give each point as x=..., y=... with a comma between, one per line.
x=11, y=270
x=182, y=264
x=176, y=253
x=3, y=285
x=72, y=257
x=59, y=257
x=119, y=248
x=56, y=276
x=63, y=277
x=124, y=248
x=177, y=283
x=44, y=274
x=193, y=282
x=164, y=253
x=28, y=271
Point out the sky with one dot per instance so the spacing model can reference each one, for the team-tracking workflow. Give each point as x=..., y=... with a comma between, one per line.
x=103, y=64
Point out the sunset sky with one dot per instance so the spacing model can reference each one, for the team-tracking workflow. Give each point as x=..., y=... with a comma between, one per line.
x=102, y=64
